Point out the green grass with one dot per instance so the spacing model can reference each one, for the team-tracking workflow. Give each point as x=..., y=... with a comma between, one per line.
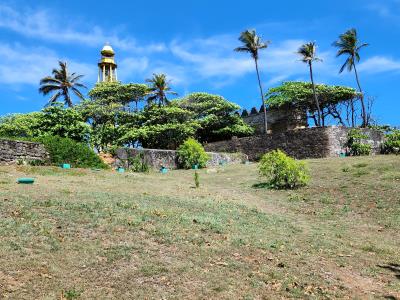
x=78, y=234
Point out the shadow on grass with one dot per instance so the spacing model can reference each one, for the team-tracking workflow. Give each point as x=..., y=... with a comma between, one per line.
x=262, y=185
x=395, y=268
x=266, y=185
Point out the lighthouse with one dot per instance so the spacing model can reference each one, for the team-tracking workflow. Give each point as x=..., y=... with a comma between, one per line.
x=107, y=65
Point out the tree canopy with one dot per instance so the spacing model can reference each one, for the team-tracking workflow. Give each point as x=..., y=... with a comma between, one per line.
x=216, y=116
x=300, y=95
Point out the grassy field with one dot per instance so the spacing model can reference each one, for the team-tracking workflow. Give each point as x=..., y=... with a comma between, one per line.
x=82, y=234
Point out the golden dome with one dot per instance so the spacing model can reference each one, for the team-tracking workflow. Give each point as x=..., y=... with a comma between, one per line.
x=107, y=50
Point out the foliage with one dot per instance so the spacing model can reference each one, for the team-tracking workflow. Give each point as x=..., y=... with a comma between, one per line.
x=392, y=143
x=164, y=127
x=191, y=153
x=159, y=89
x=65, y=150
x=60, y=85
x=308, y=56
x=252, y=43
x=19, y=125
x=107, y=93
x=282, y=171
x=300, y=95
x=215, y=115
x=52, y=120
x=356, y=144
x=63, y=122
x=349, y=45
x=196, y=179
x=138, y=164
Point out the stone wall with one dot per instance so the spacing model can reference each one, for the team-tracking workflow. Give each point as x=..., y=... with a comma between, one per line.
x=313, y=142
x=277, y=120
x=168, y=158
x=13, y=151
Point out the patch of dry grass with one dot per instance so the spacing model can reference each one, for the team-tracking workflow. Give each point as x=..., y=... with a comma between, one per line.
x=80, y=234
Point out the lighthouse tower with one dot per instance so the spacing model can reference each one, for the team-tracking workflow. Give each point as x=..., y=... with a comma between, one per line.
x=107, y=65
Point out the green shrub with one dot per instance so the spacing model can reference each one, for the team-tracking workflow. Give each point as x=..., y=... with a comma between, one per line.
x=137, y=164
x=392, y=143
x=282, y=171
x=191, y=153
x=65, y=150
x=356, y=144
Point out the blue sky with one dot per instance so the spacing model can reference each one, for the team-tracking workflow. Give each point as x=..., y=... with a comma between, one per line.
x=192, y=42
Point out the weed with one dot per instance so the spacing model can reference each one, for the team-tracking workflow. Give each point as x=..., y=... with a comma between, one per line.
x=196, y=179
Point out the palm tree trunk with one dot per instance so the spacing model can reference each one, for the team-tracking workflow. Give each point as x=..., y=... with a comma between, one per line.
x=262, y=97
x=315, y=94
x=364, y=115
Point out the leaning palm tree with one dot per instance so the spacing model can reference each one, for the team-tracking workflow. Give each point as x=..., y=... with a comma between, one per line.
x=252, y=43
x=159, y=89
x=308, y=53
x=60, y=85
x=350, y=46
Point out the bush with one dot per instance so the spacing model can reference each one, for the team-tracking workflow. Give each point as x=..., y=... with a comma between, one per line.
x=392, y=143
x=356, y=145
x=65, y=150
x=137, y=164
x=282, y=171
x=190, y=153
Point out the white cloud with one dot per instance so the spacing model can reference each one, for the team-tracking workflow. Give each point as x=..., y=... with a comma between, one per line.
x=27, y=66
x=45, y=25
x=379, y=64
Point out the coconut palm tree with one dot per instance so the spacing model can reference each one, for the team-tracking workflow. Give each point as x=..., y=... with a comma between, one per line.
x=60, y=84
x=252, y=43
x=308, y=54
x=159, y=89
x=350, y=46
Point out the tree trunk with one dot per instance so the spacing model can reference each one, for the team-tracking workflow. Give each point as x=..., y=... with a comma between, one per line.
x=364, y=116
x=315, y=94
x=262, y=97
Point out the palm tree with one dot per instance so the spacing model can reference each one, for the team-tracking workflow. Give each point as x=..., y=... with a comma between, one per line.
x=159, y=89
x=350, y=46
x=308, y=53
x=252, y=43
x=60, y=84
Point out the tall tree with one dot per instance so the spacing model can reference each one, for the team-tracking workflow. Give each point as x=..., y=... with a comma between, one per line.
x=308, y=53
x=60, y=85
x=159, y=89
x=252, y=43
x=349, y=45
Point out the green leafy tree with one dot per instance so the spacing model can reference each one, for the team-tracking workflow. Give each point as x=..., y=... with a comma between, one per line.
x=106, y=93
x=63, y=122
x=349, y=45
x=308, y=54
x=191, y=153
x=19, y=125
x=159, y=89
x=252, y=44
x=299, y=95
x=60, y=84
x=215, y=115
x=164, y=127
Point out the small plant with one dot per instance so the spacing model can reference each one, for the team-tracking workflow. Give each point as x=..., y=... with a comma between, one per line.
x=71, y=294
x=191, y=153
x=356, y=144
x=346, y=169
x=392, y=143
x=138, y=164
x=282, y=171
x=196, y=179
